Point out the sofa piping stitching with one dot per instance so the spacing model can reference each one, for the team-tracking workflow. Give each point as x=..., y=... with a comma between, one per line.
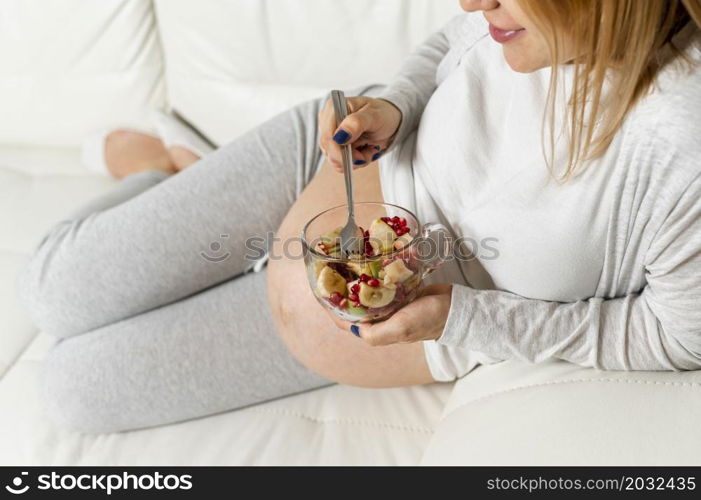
x=576, y=381
x=359, y=422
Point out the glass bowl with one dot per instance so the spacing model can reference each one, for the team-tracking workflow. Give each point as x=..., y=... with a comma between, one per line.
x=394, y=256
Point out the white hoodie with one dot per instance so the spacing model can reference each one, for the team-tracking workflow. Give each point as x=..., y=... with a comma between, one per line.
x=604, y=270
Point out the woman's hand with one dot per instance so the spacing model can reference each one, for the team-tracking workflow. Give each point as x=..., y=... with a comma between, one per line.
x=422, y=319
x=368, y=128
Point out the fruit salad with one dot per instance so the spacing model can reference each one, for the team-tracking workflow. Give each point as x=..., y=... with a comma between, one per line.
x=371, y=285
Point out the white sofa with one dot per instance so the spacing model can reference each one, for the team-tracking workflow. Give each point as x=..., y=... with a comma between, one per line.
x=73, y=66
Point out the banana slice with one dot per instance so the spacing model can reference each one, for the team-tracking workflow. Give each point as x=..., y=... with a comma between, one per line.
x=381, y=237
x=375, y=296
x=319, y=266
x=330, y=281
x=396, y=272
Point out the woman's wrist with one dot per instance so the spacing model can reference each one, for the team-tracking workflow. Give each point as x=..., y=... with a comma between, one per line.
x=399, y=123
x=396, y=106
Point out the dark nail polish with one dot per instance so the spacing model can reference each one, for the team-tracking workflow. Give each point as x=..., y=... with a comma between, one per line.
x=376, y=156
x=341, y=137
x=355, y=330
x=359, y=162
x=378, y=148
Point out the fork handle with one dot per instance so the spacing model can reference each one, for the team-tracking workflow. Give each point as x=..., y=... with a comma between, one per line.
x=341, y=111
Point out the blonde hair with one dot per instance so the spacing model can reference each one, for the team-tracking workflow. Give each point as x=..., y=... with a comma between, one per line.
x=628, y=35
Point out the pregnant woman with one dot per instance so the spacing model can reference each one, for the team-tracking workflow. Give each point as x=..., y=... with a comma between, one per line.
x=564, y=131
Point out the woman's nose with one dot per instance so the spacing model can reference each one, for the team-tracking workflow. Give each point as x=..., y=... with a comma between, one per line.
x=473, y=5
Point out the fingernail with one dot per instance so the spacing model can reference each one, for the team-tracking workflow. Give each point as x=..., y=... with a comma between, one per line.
x=341, y=137
x=376, y=156
x=359, y=162
x=355, y=330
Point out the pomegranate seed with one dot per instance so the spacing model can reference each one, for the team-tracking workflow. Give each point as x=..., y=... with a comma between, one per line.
x=402, y=222
x=363, y=278
x=395, y=219
x=384, y=219
x=373, y=282
x=367, y=234
x=336, y=297
x=343, y=304
x=355, y=288
x=353, y=297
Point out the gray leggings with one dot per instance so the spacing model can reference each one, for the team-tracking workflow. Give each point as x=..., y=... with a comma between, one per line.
x=154, y=324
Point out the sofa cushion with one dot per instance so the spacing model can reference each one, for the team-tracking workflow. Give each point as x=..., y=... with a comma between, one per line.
x=335, y=425
x=73, y=66
x=37, y=187
x=232, y=64
x=557, y=413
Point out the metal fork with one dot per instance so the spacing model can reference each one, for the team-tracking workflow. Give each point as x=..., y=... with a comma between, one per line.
x=350, y=234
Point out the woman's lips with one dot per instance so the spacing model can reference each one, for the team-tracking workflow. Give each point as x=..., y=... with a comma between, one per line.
x=503, y=36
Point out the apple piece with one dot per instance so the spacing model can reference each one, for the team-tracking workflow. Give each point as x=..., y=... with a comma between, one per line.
x=387, y=283
x=335, y=252
x=357, y=311
x=358, y=268
x=381, y=237
x=403, y=241
x=374, y=266
x=397, y=272
x=321, y=248
x=332, y=239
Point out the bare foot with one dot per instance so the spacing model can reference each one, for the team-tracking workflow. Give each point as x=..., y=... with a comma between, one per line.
x=182, y=157
x=128, y=152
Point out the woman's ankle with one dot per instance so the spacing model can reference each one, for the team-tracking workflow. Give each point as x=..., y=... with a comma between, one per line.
x=129, y=152
x=181, y=157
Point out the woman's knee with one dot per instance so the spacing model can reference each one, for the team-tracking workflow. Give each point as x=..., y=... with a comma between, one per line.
x=74, y=392
x=49, y=287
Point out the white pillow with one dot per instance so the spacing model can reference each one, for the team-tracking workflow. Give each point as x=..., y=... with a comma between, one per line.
x=231, y=64
x=72, y=66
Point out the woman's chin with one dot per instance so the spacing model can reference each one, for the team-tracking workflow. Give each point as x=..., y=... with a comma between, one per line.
x=520, y=61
